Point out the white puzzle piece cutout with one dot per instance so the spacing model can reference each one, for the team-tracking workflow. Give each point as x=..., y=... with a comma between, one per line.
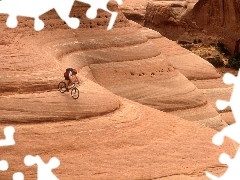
x=233, y=171
x=36, y=8
x=18, y=176
x=44, y=171
x=3, y=165
x=8, y=133
x=100, y=4
x=8, y=141
x=232, y=131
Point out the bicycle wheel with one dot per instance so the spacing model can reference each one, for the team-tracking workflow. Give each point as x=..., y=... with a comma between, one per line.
x=75, y=93
x=62, y=87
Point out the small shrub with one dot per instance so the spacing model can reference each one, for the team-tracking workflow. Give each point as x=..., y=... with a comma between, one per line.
x=234, y=62
x=220, y=47
x=216, y=62
x=199, y=41
x=188, y=46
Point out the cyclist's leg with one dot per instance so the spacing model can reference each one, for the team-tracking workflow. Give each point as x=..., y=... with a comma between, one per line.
x=73, y=78
x=67, y=79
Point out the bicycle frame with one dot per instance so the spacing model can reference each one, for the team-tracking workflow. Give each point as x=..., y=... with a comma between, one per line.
x=73, y=89
x=74, y=85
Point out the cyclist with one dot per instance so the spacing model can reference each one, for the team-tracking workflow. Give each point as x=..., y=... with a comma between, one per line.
x=70, y=77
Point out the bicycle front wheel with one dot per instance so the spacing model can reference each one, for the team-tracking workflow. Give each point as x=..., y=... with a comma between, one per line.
x=75, y=93
x=62, y=87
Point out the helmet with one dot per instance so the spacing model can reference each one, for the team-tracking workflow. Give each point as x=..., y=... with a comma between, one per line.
x=74, y=71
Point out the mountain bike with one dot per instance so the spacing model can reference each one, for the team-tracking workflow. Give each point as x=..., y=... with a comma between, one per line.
x=62, y=87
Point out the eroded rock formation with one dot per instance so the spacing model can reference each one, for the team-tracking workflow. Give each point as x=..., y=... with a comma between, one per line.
x=166, y=17
x=107, y=133
x=211, y=21
x=220, y=18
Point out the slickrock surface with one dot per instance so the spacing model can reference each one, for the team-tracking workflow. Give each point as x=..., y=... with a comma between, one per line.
x=103, y=135
x=134, y=142
x=54, y=106
x=219, y=18
x=186, y=62
x=214, y=90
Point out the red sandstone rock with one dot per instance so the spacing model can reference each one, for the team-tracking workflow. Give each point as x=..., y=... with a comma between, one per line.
x=102, y=135
x=219, y=18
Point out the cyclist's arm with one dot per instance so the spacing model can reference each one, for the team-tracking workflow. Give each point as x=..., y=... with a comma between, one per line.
x=77, y=79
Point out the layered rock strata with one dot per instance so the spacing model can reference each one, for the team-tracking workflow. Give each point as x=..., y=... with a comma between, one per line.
x=102, y=135
x=134, y=142
x=104, y=52
x=210, y=21
x=139, y=69
x=170, y=18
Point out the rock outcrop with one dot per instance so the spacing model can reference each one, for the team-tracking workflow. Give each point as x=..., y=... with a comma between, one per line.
x=182, y=21
x=146, y=69
x=167, y=17
x=211, y=21
x=219, y=18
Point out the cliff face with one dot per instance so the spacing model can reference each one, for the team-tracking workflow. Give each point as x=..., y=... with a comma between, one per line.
x=219, y=13
x=176, y=20
x=211, y=21
x=220, y=18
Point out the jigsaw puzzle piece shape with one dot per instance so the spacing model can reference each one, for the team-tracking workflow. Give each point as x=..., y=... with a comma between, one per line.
x=3, y=165
x=233, y=171
x=231, y=132
x=229, y=78
x=221, y=104
x=36, y=8
x=9, y=133
x=63, y=9
x=26, y=8
x=235, y=98
x=18, y=176
x=100, y=4
x=44, y=170
x=210, y=176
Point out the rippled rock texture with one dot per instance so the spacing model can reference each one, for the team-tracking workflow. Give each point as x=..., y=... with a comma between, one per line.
x=117, y=128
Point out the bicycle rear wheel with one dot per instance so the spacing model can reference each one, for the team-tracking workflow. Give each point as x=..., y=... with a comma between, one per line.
x=75, y=93
x=62, y=87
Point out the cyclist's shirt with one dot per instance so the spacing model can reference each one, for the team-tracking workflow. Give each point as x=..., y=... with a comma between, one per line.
x=67, y=75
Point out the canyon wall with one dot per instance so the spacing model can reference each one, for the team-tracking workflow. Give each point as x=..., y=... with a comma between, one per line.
x=210, y=21
x=219, y=18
